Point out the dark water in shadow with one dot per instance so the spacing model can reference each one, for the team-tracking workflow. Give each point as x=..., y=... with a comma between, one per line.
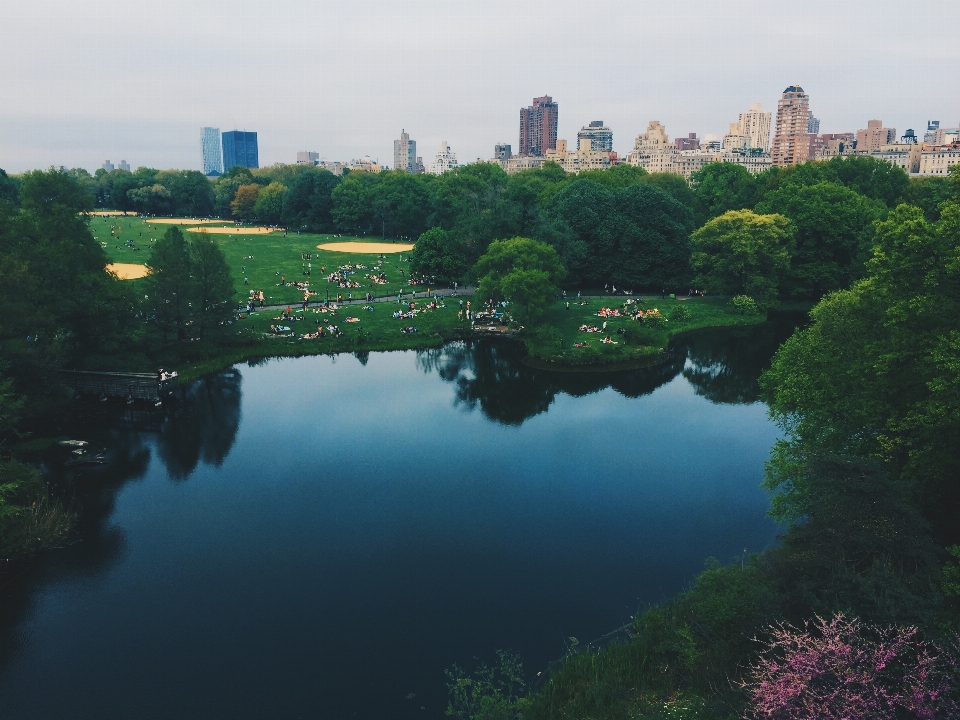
x=321, y=537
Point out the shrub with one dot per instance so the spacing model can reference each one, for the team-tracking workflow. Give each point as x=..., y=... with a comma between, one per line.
x=637, y=334
x=653, y=319
x=681, y=313
x=744, y=305
x=838, y=668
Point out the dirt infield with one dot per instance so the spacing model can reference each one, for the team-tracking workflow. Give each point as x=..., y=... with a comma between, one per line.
x=366, y=247
x=185, y=221
x=233, y=230
x=127, y=271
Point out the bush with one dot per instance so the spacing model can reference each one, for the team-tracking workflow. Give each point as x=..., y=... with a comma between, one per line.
x=681, y=313
x=744, y=305
x=840, y=668
x=654, y=319
x=637, y=334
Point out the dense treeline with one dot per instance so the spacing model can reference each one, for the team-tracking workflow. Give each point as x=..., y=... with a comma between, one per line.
x=623, y=226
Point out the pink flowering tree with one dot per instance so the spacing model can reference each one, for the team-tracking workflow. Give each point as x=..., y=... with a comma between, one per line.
x=839, y=669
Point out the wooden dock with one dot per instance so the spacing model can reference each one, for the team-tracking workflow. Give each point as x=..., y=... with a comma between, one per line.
x=138, y=386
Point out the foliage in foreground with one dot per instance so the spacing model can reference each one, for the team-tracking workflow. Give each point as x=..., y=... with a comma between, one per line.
x=840, y=668
x=30, y=520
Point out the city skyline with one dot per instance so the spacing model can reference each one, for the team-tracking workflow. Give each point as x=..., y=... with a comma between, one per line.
x=695, y=70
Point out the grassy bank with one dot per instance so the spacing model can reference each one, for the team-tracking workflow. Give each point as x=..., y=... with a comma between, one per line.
x=30, y=519
x=557, y=334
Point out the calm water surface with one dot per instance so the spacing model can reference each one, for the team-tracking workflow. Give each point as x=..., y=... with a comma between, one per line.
x=322, y=537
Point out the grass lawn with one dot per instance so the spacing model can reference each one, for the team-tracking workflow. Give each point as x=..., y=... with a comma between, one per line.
x=558, y=329
x=265, y=259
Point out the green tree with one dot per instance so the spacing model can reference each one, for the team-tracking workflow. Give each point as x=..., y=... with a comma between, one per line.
x=720, y=187
x=170, y=286
x=244, y=203
x=269, y=205
x=877, y=372
x=834, y=235
x=522, y=271
x=9, y=189
x=191, y=193
x=151, y=200
x=741, y=252
x=437, y=253
x=213, y=296
x=309, y=204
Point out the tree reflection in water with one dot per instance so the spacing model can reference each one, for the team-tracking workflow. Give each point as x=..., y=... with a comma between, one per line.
x=725, y=364
x=722, y=364
x=204, y=424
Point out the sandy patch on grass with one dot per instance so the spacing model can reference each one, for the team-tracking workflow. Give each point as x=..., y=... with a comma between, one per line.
x=233, y=230
x=185, y=221
x=127, y=271
x=110, y=212
x=366, y=247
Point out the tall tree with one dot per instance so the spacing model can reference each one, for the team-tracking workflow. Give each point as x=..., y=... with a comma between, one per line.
x=742, y=253
x=170, y=287
x=244, y=203
x=522, y=271
x=834, y=235
x=213, y=297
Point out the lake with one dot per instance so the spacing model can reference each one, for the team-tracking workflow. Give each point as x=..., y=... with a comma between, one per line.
x=324, y=536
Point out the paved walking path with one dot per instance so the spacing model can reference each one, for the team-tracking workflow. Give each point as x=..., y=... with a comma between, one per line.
x=315, y=301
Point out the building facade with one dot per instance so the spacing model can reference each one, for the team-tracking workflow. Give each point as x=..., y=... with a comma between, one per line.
x=240, y=148
x=405, y=153
x=502, y=152
x=790, y=141
x=538, y=127
x=755, y=124
x=875, y=136
x=108, y=166
x=690, y=142
x=123, y=165
x=445, y=160
x=599, y=135
x=306, y=157
x=211, y=151
x=585, y=157
x=813, y=125
x=939, y=160
x=521, y=162
x=653, y=150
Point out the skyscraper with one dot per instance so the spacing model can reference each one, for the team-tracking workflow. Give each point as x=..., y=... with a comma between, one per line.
x=240, y=148
x=790, y=143
x=538, y=126
x=599, y=135
x=210, y=145
x=108, y=166
x=502, y=151
x=813, y=125
x=755, y=124
x=405, y=153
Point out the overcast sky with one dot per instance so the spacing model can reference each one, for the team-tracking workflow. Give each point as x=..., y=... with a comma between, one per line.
x=86, y=80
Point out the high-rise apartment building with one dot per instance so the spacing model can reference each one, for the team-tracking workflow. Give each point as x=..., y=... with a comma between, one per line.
x=690, y=142
x=813, y=125
x=790, y=142
x=445, y=159
x=538, y=126
x=210, y=146
x=755, y=124
x=502, y=152
x=599, y=135
x=875, y=135
x=108, y=166
x=405, y=153
x=123, y=165
x=240, y=148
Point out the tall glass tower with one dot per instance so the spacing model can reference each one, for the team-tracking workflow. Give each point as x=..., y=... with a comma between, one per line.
x=240, y=148
x=210, y=144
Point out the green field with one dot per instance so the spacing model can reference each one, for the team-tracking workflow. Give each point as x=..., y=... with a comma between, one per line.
x=264, y=259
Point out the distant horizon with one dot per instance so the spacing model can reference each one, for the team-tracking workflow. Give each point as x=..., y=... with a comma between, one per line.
x=343, y=78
